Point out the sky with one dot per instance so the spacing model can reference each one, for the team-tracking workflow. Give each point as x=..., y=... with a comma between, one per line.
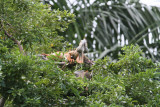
x=151, y=2
x=147, y=2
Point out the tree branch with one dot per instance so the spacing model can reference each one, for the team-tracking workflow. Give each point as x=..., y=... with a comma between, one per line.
x=2, y=101
x=14, y=39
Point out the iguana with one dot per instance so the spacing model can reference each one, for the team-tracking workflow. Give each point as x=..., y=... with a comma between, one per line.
x=74, y=55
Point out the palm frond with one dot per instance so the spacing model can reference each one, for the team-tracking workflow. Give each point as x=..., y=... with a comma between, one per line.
x=134, y=21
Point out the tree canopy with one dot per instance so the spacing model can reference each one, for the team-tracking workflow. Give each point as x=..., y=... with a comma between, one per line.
x=30, y=27
x=27, y=22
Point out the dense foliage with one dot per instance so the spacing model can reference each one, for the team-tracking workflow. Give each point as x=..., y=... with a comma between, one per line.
x=30, y=81
x=32, y=23
x=30, y=27
x=27, y=80
x=129, y=81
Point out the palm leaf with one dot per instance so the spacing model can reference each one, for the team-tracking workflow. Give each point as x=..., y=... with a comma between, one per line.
x=132, y=21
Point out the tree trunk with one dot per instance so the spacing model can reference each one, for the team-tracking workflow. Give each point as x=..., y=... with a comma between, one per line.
x=2, y=101
x=19, y=46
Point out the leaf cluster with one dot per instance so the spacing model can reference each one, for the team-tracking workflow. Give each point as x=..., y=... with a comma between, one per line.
x=32, y=23
x=129, y=81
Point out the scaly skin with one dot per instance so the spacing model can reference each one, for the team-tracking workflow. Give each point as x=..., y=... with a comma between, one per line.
x=70, y=56
x=77, y=54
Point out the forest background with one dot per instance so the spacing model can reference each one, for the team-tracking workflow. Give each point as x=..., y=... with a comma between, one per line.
x=123, y=38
